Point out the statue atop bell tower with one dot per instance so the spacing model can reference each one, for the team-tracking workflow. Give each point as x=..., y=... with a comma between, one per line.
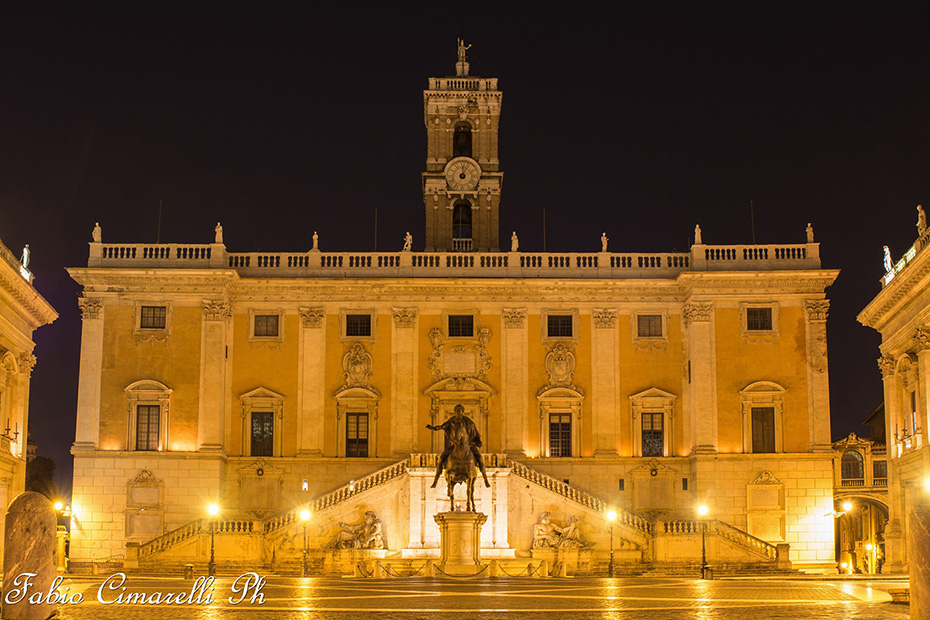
x=462, y=181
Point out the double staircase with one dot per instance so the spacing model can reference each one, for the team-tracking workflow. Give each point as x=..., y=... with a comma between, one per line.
x=667, y=546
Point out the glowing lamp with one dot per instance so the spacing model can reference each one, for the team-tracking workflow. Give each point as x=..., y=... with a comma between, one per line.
x=304, y=514
x=611, y=515
x=702, y=510
x=213, y=509
x=847, y=506
x=59, y=506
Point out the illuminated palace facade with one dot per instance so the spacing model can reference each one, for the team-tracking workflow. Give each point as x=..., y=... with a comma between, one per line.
x=648, y=383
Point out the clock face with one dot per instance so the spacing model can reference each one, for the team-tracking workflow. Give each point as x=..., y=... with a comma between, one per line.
x=462, y=174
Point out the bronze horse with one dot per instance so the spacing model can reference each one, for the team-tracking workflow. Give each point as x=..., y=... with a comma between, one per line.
x=460, y=466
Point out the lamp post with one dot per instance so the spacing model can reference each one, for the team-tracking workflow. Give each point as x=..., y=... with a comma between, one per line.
x=214, y=510
x=702, y=510
x=611, y=517
x=304, y=517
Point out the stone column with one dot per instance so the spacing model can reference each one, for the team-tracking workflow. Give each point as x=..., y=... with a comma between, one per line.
x=404, y=381
x=918, y=546
x=514, y=376
x=818, y=378
x=310, y=392
x=20, y=418
x=895, y=558
x=921, y=340
x=88, y=402
x=703, y=387
x=604, y=373
x=216, y=315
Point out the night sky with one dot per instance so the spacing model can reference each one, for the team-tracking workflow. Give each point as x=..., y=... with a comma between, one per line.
x=640, y=121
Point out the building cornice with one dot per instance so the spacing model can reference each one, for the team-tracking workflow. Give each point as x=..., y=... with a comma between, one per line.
x=24, y=298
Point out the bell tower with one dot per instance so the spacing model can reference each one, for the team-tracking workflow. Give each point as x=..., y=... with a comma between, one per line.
x=462, y=181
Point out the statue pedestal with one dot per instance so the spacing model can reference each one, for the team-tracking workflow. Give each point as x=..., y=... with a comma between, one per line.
x=460, y=541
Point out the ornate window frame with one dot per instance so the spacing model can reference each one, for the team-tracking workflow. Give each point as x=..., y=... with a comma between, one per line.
x=560, y=399
x=147, y=392
x=357, y=399
x=758, y=335
x=476, y=325
x=151, y=334
x=652, y=400
x=261, y=400
x=763, y=394
x=649, y=342
x=372, y=312
x=271, y=341
x=544, y=324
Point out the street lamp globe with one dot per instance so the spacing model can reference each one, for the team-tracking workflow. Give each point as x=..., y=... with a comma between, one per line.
x=611, y=515
x=702, y=510
x=59, y=506
x=304, y=514
x=847, y=506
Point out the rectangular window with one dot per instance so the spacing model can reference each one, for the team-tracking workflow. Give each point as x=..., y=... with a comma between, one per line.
x=461, y=326
x=653, y=435
x=266, y=325
x=684, y=484
x=914, y=412
x=880, y=470
x=262, y=433
x=147, y=426
x=560, y=434
x=649, y=326
x=763, y=429
x=560, y=326
x=622, y=484
x=153, y=317
x=358, y=325
x=759, y=319
x=356, y=434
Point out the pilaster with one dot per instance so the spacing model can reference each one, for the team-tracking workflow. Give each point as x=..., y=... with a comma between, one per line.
x=895, y=557
x=310, y=392
x=921, y=340
x=216, y=316
x=703, y=386
x=87, y=429
x=604, y=382
x=818, y=378
x=514, y=373
x=404, y=381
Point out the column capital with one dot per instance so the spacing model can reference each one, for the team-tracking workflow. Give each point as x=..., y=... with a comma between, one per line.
x=604, y=318
x=27, y=362
x=514, y=318
x=886, y=365
x=817, y=309
x=90, y=307
x=404, y=317
x=216, y=310
x=697, y=312
x=921, y=338
x=312, y=317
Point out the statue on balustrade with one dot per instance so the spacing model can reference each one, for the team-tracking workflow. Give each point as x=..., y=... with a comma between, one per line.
x=921, y=221
x=604, y=241
x=548, y=535
x=887, y=259
x=97, y=235
x=408, y=242
x=365, y=535
x=514, y=242
x=218, y=233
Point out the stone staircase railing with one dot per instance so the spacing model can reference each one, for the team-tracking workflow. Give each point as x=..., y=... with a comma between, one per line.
x=339, y=495
x=195, y=528
x=429, y=459
x=724, y=530
x=581, y=497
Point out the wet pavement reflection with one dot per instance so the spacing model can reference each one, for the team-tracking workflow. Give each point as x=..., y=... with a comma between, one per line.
x=498, y=599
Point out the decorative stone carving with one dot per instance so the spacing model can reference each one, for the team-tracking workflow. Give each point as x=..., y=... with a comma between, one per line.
x=216, y=311
x=560, y=364
x=604, y=319
x=460, y=361
x=886, y=365
x=90, y=307
x=365, y=535
x=514, y=318
x=144, y=477
x=766, y=477
x=548, y=535
x=27, y=361
x=697, y=312
x=357, y=366
x=817, y=309
x=921, y=338
x=405, y=317
x=312, y=317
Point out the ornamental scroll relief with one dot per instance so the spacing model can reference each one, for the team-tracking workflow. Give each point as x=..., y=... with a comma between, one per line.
x=357, y=366
x=312, y=317
x=464, y=360
x=216, y=311
x=90, y=307
x=697, y=312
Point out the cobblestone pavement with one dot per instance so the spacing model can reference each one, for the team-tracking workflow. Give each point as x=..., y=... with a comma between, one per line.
x=501, y=599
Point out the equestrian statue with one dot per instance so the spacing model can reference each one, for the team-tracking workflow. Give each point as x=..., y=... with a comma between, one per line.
x=461, y=456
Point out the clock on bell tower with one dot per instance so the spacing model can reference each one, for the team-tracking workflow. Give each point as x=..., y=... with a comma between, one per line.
x=462, y=181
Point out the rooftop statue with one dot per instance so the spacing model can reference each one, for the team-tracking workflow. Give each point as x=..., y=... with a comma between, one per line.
x=218, y=233
x=697, y=235
x=25, y=259
x=810, y=233
x=408, y=242
x=604, y=241
x=514, y=242
x=97, y=235
x=462, y=49
x=921, y=221
x=316, y=241
x=887, y=259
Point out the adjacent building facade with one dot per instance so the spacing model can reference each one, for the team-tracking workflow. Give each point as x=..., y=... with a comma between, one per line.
x=648, y=382
x=901, y=314
x=22, y=311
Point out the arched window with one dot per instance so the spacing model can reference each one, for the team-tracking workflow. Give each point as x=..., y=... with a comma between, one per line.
x=461, y=140
x=851, y=466
x=461, y=226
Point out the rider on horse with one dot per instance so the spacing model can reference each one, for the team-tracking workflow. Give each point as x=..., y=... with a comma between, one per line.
x=474, y=438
